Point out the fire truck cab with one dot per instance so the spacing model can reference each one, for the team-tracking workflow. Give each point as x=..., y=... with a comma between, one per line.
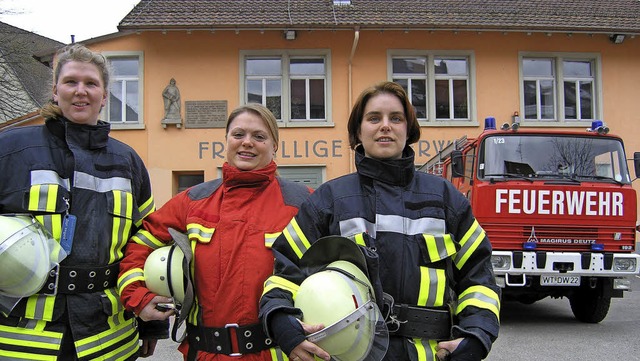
x=558, y=208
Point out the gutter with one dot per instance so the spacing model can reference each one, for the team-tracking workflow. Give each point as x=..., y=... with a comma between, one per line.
x=356, y=38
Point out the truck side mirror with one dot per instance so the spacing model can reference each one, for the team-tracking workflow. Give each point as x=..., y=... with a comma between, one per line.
x=457, y=164
x=636, y=163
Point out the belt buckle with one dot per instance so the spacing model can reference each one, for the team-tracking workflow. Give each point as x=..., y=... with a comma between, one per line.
x=236, y=326
x=53, y=286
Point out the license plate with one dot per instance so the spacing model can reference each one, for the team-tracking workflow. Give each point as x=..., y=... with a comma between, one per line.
x=560, y=280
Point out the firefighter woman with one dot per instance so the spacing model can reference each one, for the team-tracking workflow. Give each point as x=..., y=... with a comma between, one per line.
x=230, y=224
x=433, y=258
x=90, y=192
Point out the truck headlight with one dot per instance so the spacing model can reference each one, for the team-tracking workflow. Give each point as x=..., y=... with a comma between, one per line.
x=501, y=262
x=624, y=264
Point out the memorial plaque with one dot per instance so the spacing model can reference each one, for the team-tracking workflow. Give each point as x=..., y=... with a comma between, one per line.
x=205, y=113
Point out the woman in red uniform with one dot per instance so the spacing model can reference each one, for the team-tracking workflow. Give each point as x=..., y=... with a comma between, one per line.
x=231, y=223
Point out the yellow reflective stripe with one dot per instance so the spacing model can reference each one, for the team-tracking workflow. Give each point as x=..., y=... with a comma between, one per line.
x=469, y=244
x=132, y=275
x=439, y=247
x=481, y=297
x=269, y=238
x=52, y=196
x=296, y=238
x=52, y=223
x=426, y=352
x=195, y=309
x=40, y=307
x=432, y=287
x=11, y=355
x=145, y=209
x=145, y=238
x=34, y=197
x=199, y=232
x=277, y=354
x=110, y=337
x=122, y=206
x=281, y=283
x=359, y=238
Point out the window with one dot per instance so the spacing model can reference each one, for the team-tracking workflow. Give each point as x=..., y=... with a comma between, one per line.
x=311, y=176
x=124, y=105
x=559, y=88
x=295, y=85
x=185, y=180
x=440, y=86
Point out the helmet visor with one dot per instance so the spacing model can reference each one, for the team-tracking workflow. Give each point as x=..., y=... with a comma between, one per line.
x=360, y=336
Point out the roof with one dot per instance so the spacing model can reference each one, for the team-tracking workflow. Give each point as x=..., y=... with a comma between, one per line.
x=592, y=16
x=23, y=75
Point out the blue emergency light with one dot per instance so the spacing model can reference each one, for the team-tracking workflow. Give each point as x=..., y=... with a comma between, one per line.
x=489, y=123
x=599, y=127
x=597, y=247
x=529, y=246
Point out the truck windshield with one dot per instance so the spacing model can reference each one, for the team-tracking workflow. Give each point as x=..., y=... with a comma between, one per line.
x=566, y=158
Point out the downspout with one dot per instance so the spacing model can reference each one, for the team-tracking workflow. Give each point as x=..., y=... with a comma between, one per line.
x=356, y=38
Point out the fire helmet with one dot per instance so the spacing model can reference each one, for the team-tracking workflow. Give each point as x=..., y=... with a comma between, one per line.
x=25, y=255
x=164, y=274
x=341, y=297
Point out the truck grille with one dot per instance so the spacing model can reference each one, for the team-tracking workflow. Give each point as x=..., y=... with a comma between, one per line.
x=559, y=238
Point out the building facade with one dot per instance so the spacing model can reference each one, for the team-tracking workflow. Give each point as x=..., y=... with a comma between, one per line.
x=540, y=63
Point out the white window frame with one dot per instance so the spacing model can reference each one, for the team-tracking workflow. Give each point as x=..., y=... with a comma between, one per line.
x=431, y=77
x=285, y=77
x=558, y=88
x=140, y=124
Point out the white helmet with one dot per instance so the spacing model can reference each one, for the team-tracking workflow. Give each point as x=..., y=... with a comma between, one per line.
x=25, y=255
x=164, y=272
x=341, y=297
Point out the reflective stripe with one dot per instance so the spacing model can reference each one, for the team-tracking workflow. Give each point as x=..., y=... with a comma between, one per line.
x=350, y=227
x=440, y=247
x=145, y=209
x=469, y=243
x=40, y=307
x=392, y=223
x=296, y=238
x=135, y=274
x=29, y=343
x=199, y=232
x=123, y=335
x=425, y=352
x=52, y=223
x=481, y=297
x=195, y=308
x=403, y=225
x=42, y=198
x=49, y=177
x=277, y=354
x=359, y=239
x=93, y=183
x=269, y=238
x=123, y=206
x=432, y=287
x=280, y=283
x=145, y=238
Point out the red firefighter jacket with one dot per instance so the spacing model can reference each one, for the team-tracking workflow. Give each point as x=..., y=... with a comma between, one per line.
x=233, y=224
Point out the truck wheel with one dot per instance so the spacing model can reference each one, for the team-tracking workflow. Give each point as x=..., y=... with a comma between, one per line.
x=590, y=306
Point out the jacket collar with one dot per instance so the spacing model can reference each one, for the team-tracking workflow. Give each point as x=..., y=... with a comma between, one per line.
x=397, y=172
x=81, y=135
x=234, y=177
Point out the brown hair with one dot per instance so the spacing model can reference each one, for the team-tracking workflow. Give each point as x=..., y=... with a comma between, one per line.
x=75, y=52
x=263, y=112
x=386, y=87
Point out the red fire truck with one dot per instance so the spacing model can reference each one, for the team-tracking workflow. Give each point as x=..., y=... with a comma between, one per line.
x=558, y=208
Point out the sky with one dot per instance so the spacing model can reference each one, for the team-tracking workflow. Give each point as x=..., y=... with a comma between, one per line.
x=59, y=19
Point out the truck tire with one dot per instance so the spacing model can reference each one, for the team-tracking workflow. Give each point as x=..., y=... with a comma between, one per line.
x=590, y=305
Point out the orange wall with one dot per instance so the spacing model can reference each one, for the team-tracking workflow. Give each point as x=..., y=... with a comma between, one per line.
x=206, y=67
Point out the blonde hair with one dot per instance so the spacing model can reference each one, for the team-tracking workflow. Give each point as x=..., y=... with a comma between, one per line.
x=75, y=52
x=264, y=113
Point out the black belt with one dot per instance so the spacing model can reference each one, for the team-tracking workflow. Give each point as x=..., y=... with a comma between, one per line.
x=81, y=279
x=420, y=322
x=250, y=339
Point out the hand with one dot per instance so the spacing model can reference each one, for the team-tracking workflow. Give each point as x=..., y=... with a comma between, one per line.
x=307, y=349
x=445, y=349
x=148, y=347
x=151, y=313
